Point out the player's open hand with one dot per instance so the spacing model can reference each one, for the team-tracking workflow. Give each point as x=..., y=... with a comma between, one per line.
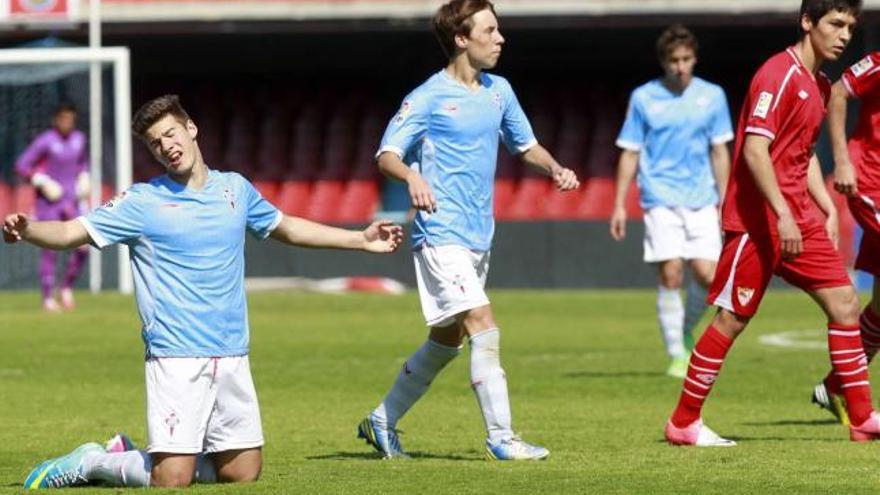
x=420, y=193
x=565, y=179
x=790, y=240
x=13, y=226
x=382, y=236
x=832, y=228
x=618, y=223
x=845, y=178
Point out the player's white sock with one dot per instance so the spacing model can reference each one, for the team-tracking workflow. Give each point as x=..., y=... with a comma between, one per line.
x=131, y=468
x=412, y=382
x=490, y=383
x=694, y=307
x=670, y=313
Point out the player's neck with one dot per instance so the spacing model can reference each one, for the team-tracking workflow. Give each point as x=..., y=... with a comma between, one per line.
x=809, y=58
x=196, y=178
x=462, y=71
x=676, y=85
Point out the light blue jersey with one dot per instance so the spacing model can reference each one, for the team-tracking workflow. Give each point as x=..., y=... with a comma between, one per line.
x=187, y=257
x=453, y=132
x=672, y=134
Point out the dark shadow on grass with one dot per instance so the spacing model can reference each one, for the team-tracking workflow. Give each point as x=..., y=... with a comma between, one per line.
x=794, y=422
x=614, y=374
x=347, y=456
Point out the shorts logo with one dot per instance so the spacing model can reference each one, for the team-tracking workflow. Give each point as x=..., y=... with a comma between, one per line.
x=171, y=421
x=458, y=281
x=707, y=378
x=763, y=106
x=862, y=66
x=744, y=295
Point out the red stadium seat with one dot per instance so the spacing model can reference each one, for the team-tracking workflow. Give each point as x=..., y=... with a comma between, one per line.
x=293, y=197
x=359, y=202
x=6, y=199
x=561, y=205
x=505, y=192
x=325, y=201
x=529, y=201
x=597, y=199
x=269, y=190
x=24, y=199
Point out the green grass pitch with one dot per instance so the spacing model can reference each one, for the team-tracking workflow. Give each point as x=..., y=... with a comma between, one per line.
x=585, y=374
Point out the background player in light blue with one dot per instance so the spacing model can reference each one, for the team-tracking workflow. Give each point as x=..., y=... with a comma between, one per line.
x=675, y=135
x=453, y=123
x=186, y=230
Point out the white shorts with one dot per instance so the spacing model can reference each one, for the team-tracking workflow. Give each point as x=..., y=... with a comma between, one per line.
x=451, y=280
x=201, y=405
x=682, y=233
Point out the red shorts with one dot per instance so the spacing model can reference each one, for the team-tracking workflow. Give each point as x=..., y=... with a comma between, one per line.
x=747, y=263
x=864, y=209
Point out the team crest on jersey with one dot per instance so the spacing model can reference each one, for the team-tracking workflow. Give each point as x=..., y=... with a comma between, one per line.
x=744, y=295
x=803, y=94
x=115, y=200
x=763, y=106
x=230, y=197
x=403, y=113
x=862, y=66
x=496, y=98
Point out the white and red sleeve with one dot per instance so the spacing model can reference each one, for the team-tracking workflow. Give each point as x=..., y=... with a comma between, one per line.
x=863, y=77
x=768, y=95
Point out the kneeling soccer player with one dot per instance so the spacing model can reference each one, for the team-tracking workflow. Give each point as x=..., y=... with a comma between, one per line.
x=186, y=230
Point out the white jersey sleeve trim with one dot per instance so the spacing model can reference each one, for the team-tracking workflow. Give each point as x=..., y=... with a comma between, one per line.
x=847, y=86
x=760, y=131
x=723, y=138
x=393, y=149
x=526, y=147
x=279, y=216
x=628, y=145
x=100, y=241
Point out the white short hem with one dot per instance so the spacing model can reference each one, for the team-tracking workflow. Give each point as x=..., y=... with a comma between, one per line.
x=453, y=312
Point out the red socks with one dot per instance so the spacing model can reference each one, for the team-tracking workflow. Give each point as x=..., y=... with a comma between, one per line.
x=706, y=361
x=870, y=328
x=851, y=369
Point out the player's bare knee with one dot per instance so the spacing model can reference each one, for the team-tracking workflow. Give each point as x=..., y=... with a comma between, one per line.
x=730, y=324
x=477, y=320
x=846, y=308
x=671, y=274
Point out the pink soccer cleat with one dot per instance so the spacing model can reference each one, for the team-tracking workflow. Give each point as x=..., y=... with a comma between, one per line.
x=867, y=431
x=696, y=434
x=67, y=301
x=119, y=443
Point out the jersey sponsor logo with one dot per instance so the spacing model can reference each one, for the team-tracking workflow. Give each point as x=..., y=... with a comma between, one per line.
x=803, y=94
x=862, y=66
x=763, y=106
x=450, y=108
x=403, y=113
x=115, y=200
x=744, y=295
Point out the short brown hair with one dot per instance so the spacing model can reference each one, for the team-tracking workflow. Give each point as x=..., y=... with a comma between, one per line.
x=454, y=18
x=153, y=111
x=673, y=37
x=816, y=9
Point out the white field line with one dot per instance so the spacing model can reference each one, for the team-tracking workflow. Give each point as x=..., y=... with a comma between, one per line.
x=797, y=339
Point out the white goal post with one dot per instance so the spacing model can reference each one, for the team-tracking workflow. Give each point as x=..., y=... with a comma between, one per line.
x=118, y=58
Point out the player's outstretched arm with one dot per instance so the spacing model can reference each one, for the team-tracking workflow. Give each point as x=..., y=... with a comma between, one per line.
x=627, y=165
x=48, y=235
x=844, y=172
x=757, y=154
x=381, y=236
x=816, y=186
x=537, y=156
x=420, y=193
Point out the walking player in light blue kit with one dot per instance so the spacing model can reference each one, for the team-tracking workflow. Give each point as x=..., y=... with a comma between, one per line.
x=675, y=136
x=186, y=230
x=453, y=123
